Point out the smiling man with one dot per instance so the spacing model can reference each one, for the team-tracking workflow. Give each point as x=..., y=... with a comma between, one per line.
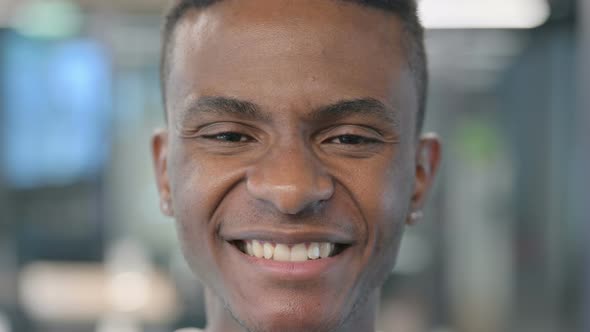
x=293, y=156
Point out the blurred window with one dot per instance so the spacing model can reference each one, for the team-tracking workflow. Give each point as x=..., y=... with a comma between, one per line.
x=55, y=97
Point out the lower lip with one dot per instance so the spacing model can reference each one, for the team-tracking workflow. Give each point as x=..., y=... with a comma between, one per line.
x=306, y=270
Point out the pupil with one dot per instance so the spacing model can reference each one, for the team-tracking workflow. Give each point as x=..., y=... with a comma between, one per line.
x=349, y=139
x=232, y=137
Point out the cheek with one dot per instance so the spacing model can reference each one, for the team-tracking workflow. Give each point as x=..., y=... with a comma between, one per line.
x=383, y=191
x=198, y=182
x=384, y=196
x=196, y=188
x=393, y=204
x=192, y=226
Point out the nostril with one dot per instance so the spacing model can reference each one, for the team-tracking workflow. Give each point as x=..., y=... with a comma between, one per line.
x=291, y=182
x=291, y=199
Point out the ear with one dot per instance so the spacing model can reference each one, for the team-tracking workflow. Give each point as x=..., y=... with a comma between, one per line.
x=428, y=157
x=160, y=159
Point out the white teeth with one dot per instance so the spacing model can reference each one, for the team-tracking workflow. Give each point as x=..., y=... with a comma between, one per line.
x=298, y=253
x=313, y=252
x=268, y=250
x=249, y=249
x=284, y=253
x=257, y=249
x=326, y=249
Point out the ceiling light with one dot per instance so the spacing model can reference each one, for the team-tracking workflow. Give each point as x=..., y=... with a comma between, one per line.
x=483, y=14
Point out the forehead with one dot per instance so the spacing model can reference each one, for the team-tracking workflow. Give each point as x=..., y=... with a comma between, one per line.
x=281, y=52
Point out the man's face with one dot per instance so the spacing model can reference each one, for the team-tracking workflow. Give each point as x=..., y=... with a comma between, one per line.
x=291, y=124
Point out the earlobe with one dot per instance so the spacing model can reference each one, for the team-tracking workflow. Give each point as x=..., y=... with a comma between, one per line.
x=428, y=157
x=160, y=160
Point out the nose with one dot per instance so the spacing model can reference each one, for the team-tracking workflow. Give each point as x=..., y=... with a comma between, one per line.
x=291, y=180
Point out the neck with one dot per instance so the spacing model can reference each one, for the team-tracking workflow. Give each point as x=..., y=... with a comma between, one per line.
x=220, y=319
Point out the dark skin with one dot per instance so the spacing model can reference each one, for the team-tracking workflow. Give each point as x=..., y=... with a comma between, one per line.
x=295, y=122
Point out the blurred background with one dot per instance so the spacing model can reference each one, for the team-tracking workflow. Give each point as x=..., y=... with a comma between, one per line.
x=503, y=247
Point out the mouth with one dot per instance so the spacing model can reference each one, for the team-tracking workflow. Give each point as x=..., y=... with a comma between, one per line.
x=290, y=253
x=283, y=252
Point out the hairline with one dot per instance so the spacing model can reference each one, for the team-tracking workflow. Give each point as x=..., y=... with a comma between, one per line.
x=412, y=43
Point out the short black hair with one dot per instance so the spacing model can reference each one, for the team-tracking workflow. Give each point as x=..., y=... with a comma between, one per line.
x=406, y=10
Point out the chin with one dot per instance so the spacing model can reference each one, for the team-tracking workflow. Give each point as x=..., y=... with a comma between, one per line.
x=291, y=317
x=281, y=323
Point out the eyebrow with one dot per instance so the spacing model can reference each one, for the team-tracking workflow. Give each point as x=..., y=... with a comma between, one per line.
x=361, y=106
x=221, y=105
x=226, y=106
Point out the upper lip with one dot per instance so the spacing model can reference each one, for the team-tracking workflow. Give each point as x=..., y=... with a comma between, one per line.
x=287, y=236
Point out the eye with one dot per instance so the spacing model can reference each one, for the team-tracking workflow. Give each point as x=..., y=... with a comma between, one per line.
x=351, y=140
x=230, y=137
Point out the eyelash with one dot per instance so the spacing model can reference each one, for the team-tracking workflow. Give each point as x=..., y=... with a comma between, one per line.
x=226, y=138
x=217, y=137
x=359, y=140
